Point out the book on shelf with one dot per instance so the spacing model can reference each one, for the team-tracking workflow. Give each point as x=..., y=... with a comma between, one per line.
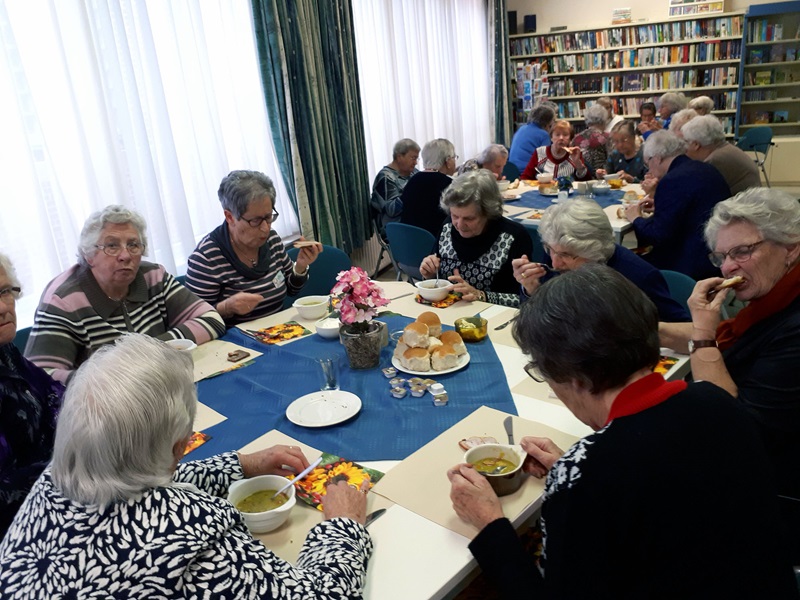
x=756, y=56
x=791, y=54
x=763, y=77
x=780, y=116
x=777, y=32
x=762, y=117
x=777, y=53
x=780, y=76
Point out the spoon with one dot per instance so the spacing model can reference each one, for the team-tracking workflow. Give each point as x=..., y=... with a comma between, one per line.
x=302, y=474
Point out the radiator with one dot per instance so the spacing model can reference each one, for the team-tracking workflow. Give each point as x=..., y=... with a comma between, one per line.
x=366, y=257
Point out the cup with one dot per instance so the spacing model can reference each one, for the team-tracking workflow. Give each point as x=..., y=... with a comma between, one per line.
x=328, y=373
x=581, y=187
x=563, y=195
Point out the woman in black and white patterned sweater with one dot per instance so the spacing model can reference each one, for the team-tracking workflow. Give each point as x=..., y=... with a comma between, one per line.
x=476, y=248
x=113, y=517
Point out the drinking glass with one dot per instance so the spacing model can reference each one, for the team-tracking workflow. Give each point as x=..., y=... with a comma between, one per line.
x=328, y=373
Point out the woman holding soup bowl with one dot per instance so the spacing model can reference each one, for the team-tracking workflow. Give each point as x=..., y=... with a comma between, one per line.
x=137, y=399
x=626, y=160
x=558, y=159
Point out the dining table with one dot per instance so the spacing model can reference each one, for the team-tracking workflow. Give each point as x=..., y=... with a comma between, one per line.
x=421, y=547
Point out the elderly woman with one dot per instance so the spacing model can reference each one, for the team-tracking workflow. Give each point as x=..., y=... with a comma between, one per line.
x=593, y=141
x=493, y=158
x=578, y=232
x=614, y=119
x=390, y=181
x=702, y=105
x=422, y=193
x=29, y=404
x=626, y=159
x=241, y=267
x=755, y=357
x=112, y=291
x=477, y=246
x=681, y=118
x=630, y=498
x=558, y=159
x=705, y=141
x=533, y=135
x=687, y=191
x=113, y=517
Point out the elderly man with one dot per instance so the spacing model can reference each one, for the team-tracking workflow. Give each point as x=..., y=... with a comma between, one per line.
x=533, y=135
x=705, y=141
x=493, y=158
x=390, y=181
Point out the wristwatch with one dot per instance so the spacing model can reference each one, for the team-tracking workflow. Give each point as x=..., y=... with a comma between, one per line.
x=696, y=344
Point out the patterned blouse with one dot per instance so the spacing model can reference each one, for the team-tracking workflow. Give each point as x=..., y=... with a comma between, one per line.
x=171, y=542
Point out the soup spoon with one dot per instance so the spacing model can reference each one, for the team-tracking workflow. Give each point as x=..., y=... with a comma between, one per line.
x=302, y=474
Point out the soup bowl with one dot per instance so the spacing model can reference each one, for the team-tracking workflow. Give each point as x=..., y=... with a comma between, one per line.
x=311, y=307
x=181, y=344
x=472, y=329
x=544, y=177
x=434, y=290
x=328, y=328
x=504, y=483
x=264, y=521
x=503, y=184
x=601, y=188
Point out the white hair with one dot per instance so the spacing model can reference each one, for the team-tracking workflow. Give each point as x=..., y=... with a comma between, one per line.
x=680, y=119
x=490, y=153
x=8, y=267
x=675, y=101
x=774, y=213
x=436, y=152
x=663, y=144
x=93, y=227
x=596, y=114
x=581, y=227
x=705, y=130
x=124, y=410
x=702, y=104
x=403, y=147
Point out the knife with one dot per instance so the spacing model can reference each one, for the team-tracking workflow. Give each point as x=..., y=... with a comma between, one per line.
x=508, y=423
x=374, y=515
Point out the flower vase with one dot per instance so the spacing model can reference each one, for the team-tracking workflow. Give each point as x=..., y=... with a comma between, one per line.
x=363, y=348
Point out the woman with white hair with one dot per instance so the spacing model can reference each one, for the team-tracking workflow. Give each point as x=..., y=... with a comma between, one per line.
x=113, y=517
x=578, y=232
x=29, y=404
x=687, y=192
x=424, y=190
x=593, y=141
x=390, y=181
x=705, y=141
x=112, y=291
x=626, y=159
x=755, y=356
x=492, y=158
x=681, y=118
x=702, y=105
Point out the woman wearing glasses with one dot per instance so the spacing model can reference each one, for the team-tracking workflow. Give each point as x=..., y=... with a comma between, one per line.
x=109, y=292
x=242, y=267
x=755, y=357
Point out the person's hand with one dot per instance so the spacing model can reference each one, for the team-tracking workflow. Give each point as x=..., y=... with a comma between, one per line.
x=643, y=127
x=468, y=293
x=271, y=461
x=575, y=155
x=241, y=303
x=649, y=184
x=647, y=204
x=626, y=177
x=307, y=255
x=345, y=500
x=601, y=172
x=706, y=313
x=430, y=264
x=542, y=455
x=474, y=500
x=528, y=274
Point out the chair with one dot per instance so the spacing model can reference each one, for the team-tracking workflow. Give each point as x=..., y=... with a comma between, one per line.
x=409, y=245
x=21, y=339
x=323, y=272
x=374, y=216
x=511, y=171
x=680, y=286
x=181, y=279
x=757, y=140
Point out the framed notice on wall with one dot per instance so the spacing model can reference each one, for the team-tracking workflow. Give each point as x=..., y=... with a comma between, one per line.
x=680, y=8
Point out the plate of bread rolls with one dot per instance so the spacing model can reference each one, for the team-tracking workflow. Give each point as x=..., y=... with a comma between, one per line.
x=424, y=348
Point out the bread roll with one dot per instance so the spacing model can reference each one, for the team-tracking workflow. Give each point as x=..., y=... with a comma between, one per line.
x=433, y=343
x=416, y=359
x=444, y=357
x=400, y=350
x=452, y=338
x=432, y=321
x=415, y=335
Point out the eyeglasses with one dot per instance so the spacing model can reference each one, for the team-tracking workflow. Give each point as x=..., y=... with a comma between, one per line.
x=454, y=157
x=738, y=254
x=10, y=294
x=561, y=255
x=533, y=372
x=257, y=221
x=113, y=249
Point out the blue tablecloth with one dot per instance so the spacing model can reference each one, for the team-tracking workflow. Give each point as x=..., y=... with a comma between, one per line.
x=533, y=199
x=255, y=399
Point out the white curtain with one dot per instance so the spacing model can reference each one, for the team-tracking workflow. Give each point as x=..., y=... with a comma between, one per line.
x=425, y=73
x=142, y=103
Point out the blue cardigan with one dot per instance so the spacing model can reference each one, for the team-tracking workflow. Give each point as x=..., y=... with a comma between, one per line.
x=525, y=142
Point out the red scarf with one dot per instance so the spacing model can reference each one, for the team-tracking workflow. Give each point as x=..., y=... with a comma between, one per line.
x=779, y=297
x=642, y=394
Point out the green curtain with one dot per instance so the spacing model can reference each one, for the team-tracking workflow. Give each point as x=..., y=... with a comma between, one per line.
x=498, y=27
x=318, y=77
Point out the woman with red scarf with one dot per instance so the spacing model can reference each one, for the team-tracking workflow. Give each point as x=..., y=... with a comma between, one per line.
x=756, y=356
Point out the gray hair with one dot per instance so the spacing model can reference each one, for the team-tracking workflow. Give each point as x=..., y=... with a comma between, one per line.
x=239, y=188
x=542, y=115
x=8, y=268
x=663, y=144
x=124, y=410
x=675, y=101
x=705, y=130
x=436, y=152
x=597, y=114
x=774, y=213
x=702, y=103
x=93, y=227
x=680, y=119
x=403, y=147
x=606, y=103
x=491, y=152
x=626, y=127
x=477, y=187
x=581, y=227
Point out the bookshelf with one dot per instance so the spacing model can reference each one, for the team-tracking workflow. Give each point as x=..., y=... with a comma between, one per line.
x=770, y=82
x=632, y=64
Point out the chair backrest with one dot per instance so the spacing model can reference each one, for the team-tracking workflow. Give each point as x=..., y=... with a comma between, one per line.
x=409, y=245
x=21, y=339
x=680, y=286
x=757, y=139
x=322, y=276
x=511, y=171
x=181, y=279
x=538, y=249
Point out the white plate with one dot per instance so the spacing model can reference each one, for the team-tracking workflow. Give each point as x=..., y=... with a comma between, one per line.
x=321, y=409
x=511, y=197
x=463, y=361
x=555, y=194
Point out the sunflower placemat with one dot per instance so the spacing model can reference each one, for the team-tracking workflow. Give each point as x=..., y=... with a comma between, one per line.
x=311, y=490
x=665, y=363
x=450, y=299
x=278, y=333
x=195, y=441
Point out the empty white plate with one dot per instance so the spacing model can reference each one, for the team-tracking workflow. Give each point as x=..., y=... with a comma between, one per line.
x=321, y=409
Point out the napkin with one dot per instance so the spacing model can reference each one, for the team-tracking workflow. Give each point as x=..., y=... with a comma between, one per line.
x=311, y=490
x=451, y=298
x=278, y=333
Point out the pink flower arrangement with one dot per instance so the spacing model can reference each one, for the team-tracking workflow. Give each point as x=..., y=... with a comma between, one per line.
x=359, y=298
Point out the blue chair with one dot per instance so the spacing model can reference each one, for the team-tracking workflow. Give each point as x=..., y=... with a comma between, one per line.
x=21, y=339
x=511, y=172
x=680, y=286
x=181, y=279
x=538, y=249
x=409, y=245
x=758, y=141
x=323, y=272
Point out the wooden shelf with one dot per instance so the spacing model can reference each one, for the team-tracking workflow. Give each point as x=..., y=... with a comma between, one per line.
x=773, y=42
x=766, y=86
x=764, y=102
x=624, y=48
x=645, y=92
x=773, y=125
x=675, y=66
x=783, y=63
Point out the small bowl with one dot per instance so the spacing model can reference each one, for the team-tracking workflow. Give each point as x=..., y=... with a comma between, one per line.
x=311, y=307
x=601, y=188
x=611, y=177
x=544, y=177
x=328, y=328
x=472, y=329
x=183, y=345
x=429, y=290
x=507, y=483
x=262, y=522
x=503, y=185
